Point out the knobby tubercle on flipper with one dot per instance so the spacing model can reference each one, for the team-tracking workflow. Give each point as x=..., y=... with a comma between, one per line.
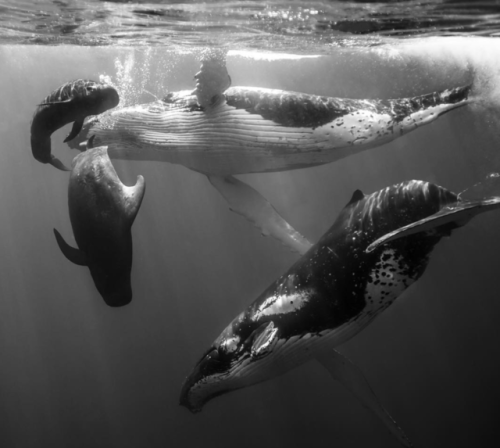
x=70, y=103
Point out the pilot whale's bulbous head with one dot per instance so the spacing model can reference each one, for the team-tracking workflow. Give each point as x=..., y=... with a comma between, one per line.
x=103, y=97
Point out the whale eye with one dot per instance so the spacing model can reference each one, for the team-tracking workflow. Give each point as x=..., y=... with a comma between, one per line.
x=213, y=355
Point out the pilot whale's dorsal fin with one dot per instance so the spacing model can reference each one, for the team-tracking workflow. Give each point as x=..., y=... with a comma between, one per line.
x=212, y=79
x=356, y=197
x=459, y=213
x=135, y=195
x=74, y=255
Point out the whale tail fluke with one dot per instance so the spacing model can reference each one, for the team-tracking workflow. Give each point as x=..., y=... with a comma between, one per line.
x=459, y=213
x=76, y=256
x=352, y=378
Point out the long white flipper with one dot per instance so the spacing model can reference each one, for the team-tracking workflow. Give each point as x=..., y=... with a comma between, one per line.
x=351, y=377
x=460, y=213
x=249, y=203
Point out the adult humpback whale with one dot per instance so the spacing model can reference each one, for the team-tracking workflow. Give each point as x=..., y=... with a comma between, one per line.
x=221, y=131
x=102, y=211
x=72, y=102
x=378, y=246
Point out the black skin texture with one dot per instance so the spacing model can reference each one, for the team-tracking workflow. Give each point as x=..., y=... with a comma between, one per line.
x=101, y=218
x=336, y=270
x=302, y=110
x=72, y=102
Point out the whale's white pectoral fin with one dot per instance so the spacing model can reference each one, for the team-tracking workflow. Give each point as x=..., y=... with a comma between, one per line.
x=248, y=202
x=351, y=377
x=461, y=213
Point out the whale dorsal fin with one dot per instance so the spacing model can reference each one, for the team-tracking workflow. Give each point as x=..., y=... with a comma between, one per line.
x=212, y=79
x=356, y=197
x=135, y=194
x=74, y=255
x=459, y=213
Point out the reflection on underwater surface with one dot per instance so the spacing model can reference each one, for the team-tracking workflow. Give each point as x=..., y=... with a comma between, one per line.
x=279, y=25
x=77, y=373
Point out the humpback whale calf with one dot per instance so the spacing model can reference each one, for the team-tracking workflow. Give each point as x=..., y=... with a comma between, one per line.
x=102, y=211
x=220, y=131
x=378, y=246
x=72, y=102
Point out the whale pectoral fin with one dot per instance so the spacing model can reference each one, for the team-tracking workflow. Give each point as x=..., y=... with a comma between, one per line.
x=460, y=214
x=55, y=162
x=351, y=377
x=212, y=79
x=74, y=255
x=75, y=130
x=249, y=203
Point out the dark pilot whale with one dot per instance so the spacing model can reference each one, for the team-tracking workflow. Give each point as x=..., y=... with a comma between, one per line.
x=222, y=130
x=70, y=103
x=102, y=211
x=378, y=246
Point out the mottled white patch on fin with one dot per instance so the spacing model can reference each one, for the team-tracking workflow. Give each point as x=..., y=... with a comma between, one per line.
x=459, y=213
x=351, y=377
x=212, y=79
x=249, y=203
x=74, y=255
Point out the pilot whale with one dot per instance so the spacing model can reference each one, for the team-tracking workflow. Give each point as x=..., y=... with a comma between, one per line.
x=378, y=246
x=220, y=130
x=72, y=102
x=102, y=211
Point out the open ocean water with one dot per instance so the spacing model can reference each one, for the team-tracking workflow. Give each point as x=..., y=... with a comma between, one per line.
x=76, y=373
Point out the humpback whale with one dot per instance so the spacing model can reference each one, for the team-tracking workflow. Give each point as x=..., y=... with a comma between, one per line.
x=72, y=102
x=220, y=131
x=378, y=246
x=102, y=211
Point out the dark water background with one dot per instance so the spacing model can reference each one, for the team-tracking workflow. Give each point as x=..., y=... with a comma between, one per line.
x=75, y=373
